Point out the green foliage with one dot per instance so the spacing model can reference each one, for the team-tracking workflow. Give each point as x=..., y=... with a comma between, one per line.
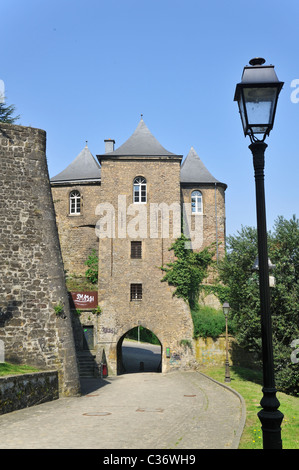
x=207, y=321
x=6, y=113
x=15, y=369
x=236, y=273
x=97, y=311
x=145, y=335
x=220, y=291
x=58, y=309
x=93, y=267
x=78, y=283
x=186, y=343
x=188, y=271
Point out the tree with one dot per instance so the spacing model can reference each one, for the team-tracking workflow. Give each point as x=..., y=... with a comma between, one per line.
x=236, y=272
x=6, y=113
x=284, y=253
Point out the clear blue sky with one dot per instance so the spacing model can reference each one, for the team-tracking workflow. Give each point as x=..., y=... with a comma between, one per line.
x=86, y=70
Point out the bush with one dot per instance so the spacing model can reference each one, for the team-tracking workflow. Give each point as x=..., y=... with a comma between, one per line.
x=93, y=267
x=207, y=321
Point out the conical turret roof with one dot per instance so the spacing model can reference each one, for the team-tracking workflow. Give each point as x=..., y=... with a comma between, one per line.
x=194, y=171
x=142, y=143
x=83, y=168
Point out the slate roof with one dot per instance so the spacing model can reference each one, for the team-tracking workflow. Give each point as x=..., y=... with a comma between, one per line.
x=194, y=171
x=83, y=169
x=142, y=143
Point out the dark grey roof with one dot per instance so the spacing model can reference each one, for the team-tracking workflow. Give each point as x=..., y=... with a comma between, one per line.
x=141, y=143
x=83, y=168
x=194, y=171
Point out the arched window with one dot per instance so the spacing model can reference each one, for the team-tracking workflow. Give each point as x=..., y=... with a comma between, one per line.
x=196, y=202
x=75, y=202
x=139, y=189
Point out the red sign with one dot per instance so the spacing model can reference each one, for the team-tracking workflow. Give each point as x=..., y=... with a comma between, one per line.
x=85, y=299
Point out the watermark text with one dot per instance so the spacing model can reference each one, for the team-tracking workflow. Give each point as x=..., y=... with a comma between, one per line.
x=149, y=221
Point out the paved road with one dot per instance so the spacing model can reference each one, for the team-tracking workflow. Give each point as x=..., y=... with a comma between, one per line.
x=135, y=353
x=177, y=410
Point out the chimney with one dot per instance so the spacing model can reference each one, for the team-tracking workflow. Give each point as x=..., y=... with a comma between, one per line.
x=109, y=145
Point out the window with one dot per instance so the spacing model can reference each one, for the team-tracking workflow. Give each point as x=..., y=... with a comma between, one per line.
x=196, y=202
x=136, y=291
x=136, y=250
x=75, y=202
x=139, y=190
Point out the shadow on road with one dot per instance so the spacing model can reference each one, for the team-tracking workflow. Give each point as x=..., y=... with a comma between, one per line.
x=136, y=357
x=89, y=385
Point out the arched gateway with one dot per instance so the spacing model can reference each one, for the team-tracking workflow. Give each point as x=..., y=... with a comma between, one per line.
x=139, y=350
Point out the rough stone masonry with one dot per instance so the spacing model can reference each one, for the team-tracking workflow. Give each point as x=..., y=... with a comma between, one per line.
x=35, y=323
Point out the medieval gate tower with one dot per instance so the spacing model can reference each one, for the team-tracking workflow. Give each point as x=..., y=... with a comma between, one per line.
x=129, y=208
x=140, y=175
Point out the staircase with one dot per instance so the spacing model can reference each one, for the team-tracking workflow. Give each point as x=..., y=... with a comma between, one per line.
x=87, y=364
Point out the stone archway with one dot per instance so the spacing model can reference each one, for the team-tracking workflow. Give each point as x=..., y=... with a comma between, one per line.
x=139, y=354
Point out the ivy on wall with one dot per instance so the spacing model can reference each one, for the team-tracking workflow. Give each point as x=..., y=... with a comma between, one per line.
x=188, y=270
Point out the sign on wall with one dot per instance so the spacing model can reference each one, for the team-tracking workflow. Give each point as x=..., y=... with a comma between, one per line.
x=84, y=299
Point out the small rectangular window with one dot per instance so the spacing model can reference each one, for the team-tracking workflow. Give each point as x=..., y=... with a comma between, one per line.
x=136, y=250
x=136, y=292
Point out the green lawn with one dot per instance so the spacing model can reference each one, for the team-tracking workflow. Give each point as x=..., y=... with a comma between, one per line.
x=15, y=369
x=249, y=384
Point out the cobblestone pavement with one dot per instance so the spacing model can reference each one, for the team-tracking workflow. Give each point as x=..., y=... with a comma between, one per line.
x=177, y=410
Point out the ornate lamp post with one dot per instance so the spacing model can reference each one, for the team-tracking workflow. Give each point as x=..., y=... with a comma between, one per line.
x=257, y=96
x=226, y=309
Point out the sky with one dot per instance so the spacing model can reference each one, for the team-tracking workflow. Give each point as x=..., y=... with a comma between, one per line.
x=86, y=71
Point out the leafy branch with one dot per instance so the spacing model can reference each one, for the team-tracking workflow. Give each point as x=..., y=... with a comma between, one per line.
x=188, y=271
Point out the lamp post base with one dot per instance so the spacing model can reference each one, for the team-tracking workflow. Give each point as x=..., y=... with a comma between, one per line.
x=270, y=418
x=227, y=373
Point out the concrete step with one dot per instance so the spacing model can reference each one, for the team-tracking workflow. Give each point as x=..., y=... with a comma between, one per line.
x=87, y=364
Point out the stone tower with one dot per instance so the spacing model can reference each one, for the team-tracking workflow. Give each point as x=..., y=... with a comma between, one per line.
x=201, y=191
x=32, y=276
x=140, y=191
x=76, y=193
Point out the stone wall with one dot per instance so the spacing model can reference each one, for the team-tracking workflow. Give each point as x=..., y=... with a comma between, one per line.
x=210, y=351
x=212, y=220
x=31, y=268
x=22, y=391
x=76, y=231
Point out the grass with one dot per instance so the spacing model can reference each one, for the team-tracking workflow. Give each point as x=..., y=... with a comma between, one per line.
x=249, y=384
x=15, y=369
x=79, y=283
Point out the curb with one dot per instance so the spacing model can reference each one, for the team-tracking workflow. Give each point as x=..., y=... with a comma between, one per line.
x=236, y=440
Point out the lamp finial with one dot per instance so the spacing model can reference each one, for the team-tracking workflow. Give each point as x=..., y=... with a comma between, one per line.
x=257, y=61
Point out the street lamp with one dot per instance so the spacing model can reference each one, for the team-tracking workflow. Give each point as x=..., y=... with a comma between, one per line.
x=257, y=96
x=271, y=266
x=226, y=309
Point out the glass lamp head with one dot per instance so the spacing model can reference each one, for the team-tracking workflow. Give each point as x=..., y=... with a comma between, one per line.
x=257, y=96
